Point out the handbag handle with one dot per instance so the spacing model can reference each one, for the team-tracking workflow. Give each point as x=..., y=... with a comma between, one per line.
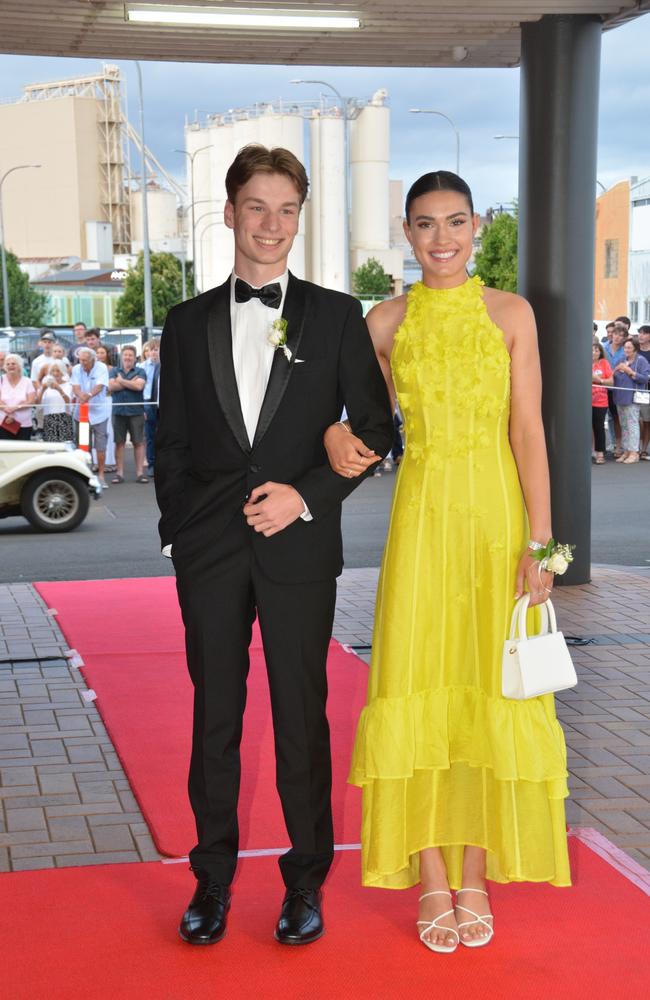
x=518, y=620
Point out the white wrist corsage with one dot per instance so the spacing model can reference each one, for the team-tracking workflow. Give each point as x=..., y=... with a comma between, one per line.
x=555, y=557
x=278, y=336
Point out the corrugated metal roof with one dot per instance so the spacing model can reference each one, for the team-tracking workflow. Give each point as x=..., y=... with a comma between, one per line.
x=78, y=276
x=408, y=33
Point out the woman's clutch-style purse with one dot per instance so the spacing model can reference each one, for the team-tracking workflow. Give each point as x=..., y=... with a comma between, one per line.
x=10, y=424
x=537, y=664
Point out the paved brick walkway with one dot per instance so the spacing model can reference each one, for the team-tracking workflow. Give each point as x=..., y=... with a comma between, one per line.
x=65, y=798
x=66, y=801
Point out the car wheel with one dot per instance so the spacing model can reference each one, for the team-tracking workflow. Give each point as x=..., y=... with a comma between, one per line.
x=55, y=500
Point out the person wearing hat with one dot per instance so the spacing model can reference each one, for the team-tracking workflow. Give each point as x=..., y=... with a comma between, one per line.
x=47, y=342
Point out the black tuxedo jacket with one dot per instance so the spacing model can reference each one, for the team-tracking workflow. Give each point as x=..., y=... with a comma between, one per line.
x=205, y=465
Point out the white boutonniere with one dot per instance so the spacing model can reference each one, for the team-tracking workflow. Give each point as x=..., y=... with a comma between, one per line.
x=278, y=336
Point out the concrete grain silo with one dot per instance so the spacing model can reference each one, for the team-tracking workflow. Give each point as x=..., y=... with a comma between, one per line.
x=162, y=215
x=327, y=210
x=369, y=160
x=369, y=164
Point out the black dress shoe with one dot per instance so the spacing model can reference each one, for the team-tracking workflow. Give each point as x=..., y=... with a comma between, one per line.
x=204, y=921
x=301, y=920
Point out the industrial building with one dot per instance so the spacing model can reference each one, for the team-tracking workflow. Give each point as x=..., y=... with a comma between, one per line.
x=73, y=130
x=84, y=203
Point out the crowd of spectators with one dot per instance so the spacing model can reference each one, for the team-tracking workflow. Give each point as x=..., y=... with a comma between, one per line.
x=620, y=400
x=41, y=397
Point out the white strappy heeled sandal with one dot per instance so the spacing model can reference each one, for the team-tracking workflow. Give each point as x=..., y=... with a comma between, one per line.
x=443, y=949
x=476, y=919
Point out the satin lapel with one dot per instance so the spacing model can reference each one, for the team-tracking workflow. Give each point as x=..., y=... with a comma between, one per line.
x=295, y=310
x=223, y=371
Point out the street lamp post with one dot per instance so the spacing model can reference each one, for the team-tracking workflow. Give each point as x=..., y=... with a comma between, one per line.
x=217, y=222
x=343, y=103
x=5, y=278
x=148, y=298
x=204, y=215
x=441, y=114
x=191, y=156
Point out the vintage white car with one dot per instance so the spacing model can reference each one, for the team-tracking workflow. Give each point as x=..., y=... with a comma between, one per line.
x=48, y=483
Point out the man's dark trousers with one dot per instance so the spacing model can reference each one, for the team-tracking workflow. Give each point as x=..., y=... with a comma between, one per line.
x=219, y=601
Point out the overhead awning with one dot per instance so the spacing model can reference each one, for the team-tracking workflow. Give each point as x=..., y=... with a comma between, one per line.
x=392, y=32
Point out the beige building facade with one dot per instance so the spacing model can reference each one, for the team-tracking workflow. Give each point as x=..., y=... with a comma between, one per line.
x=46, y=210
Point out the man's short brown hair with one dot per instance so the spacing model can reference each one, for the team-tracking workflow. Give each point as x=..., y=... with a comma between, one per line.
x=257, y=159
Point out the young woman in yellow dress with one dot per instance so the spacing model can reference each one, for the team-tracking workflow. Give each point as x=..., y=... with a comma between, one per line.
x=459, y=784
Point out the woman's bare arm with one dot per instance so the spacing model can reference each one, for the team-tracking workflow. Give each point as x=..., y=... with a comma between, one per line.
x=514, y=316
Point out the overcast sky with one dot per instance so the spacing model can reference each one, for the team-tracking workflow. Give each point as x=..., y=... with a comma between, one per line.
x=483, y=103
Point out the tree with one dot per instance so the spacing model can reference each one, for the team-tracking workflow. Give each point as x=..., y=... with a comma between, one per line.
x=496, y=261
x=27, y=306
x=166, y=290
x=371, y=279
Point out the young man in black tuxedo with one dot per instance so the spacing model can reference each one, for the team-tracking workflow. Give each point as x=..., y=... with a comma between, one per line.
x=251, y=516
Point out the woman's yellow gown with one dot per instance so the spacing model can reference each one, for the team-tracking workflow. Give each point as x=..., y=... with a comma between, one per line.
x=443, y=759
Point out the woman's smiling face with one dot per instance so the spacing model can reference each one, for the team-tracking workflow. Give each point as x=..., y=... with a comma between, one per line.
x=441, y=229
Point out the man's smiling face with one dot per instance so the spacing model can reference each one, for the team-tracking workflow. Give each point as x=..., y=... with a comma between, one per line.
x=264, y=220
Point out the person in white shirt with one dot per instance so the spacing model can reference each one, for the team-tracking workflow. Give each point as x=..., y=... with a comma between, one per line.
x=90, y=385
x=54, y=394
x=47, y=342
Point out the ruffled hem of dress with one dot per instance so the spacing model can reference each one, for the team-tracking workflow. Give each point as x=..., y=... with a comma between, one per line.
x=433, y=729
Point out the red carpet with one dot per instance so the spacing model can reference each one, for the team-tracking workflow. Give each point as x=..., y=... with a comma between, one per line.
x=129, y=634
x=110, y=932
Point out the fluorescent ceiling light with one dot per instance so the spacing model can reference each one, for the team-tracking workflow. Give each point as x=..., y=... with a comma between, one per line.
x=244, y=17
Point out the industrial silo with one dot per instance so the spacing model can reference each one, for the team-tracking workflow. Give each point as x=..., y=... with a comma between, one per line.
x=162, y=215
x=369, y=161
x=327, y=209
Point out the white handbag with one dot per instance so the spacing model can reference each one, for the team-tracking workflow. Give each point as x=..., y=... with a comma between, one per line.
x=537, y=664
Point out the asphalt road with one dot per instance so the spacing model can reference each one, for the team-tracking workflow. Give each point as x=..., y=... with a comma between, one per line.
x=119, y=537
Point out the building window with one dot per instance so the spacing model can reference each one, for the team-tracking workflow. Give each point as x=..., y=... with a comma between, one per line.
x=646, y=311
x=611, y=258
x=634, y=310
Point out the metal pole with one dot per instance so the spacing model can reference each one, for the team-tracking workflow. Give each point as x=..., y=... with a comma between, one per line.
x=441, y=114
x=183, y=277
x=191, y=156
x=148, y=303
x=216, y=211
x=209, y=226
x=5, y=279
x=193, y=224
x=5, y=276
x=560, y=65
x=346, y=159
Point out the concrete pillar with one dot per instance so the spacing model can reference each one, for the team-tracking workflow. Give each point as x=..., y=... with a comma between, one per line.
x=560, y=80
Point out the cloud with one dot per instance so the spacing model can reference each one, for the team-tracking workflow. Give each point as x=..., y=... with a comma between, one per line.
x=482, y=103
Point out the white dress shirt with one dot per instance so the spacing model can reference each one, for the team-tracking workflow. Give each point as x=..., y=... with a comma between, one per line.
x=252, y=357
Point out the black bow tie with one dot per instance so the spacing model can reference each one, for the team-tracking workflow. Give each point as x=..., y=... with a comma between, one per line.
x=269, y=295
